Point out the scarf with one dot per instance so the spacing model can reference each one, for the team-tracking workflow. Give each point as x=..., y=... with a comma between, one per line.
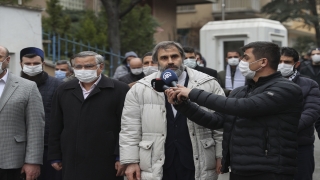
x=238, y=80
x=293, y=75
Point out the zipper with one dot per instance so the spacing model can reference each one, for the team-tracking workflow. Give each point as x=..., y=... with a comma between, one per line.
x=267, y=142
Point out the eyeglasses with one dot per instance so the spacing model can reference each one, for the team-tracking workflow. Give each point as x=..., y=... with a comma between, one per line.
x=87, y=66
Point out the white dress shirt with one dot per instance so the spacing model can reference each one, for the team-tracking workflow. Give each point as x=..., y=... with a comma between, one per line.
x=3, y=81
x=85, y=92
x=181, y=81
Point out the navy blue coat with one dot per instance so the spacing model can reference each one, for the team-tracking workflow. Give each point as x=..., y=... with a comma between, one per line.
x=47, y=90
x=311, y=109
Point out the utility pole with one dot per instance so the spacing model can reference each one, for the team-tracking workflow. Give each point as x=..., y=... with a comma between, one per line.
x=223, y=5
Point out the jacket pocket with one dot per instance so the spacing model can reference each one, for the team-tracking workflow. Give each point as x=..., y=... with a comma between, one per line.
x=146, y=155
x=20, y=138
x=209, y=153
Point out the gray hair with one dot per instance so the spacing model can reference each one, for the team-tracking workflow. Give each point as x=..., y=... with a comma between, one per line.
x=166, y=45
x=61, y=62
x=99, y=58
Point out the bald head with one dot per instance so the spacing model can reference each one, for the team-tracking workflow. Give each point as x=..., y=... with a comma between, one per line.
x=135, y=63
x=5, y=50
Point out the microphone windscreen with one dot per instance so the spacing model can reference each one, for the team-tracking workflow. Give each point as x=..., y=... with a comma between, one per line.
x=157, y=84
x=169, y=76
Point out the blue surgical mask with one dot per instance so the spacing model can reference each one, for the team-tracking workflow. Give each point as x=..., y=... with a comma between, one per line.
x=60, y=74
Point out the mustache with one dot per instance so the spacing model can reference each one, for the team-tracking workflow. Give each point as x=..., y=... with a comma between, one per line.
x=171, y=66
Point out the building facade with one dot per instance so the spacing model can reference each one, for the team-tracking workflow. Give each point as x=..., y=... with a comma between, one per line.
x=190, y=19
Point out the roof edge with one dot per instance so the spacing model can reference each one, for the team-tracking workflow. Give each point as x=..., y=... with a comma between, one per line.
x=22, y=7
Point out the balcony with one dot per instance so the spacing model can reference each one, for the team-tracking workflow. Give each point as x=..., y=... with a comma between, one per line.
x=237, y=9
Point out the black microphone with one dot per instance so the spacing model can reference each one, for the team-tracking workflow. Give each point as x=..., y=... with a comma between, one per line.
x=159, y=85
x=169, y=77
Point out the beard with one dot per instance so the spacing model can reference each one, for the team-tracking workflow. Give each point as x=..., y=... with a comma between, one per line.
x=178, y=69
x=38, y=79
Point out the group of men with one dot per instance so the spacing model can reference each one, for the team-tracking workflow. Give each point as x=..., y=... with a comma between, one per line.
x=256, y=117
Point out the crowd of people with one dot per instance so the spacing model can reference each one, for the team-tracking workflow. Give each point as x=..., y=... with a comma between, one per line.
x=255, y=119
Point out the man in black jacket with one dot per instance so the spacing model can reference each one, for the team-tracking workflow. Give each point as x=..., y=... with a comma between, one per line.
x=191, y=62
x=86, y=116
x=260, y=120
x=289, y=62
x=32, y=61
x=136, y=72
x=312, y=68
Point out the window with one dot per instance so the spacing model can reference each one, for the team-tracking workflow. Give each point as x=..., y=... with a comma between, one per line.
x=186, y=8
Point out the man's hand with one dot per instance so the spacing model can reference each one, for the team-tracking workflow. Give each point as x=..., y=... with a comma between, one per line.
x=32, y=171
x=183, y=92
x=57, y=166
x=120, y=169
x=218, y=166
x=133, y=172
x=172, y=95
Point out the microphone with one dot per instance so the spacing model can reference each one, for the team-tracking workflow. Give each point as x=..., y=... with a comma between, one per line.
x=159, y=85
x=169, y=77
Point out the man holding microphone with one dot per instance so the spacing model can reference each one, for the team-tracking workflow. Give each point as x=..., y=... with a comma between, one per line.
x=260, y=120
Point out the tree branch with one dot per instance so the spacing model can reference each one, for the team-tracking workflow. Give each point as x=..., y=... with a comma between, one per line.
x=131, y=6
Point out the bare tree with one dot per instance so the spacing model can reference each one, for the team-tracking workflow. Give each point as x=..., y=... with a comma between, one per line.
x=114, y=15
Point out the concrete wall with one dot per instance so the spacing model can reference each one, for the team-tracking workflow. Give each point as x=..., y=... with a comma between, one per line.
x=165, y=12
x=201, y=15
x=20, y=28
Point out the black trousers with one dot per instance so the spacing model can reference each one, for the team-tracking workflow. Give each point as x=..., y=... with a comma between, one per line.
x=47, y=171
x=305, y=163
x=177, y=171
x=265, y=176
x=10, y=174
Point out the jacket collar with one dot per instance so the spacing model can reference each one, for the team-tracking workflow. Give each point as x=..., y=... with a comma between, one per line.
x=195, y=78
x=104, y=82
x=263, y=80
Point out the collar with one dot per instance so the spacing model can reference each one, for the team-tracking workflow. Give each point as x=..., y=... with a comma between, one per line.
x=141, y=75
x=93, y=85
x=104, y=82
x=39, y=79
x=5, y=77
x=263, y=80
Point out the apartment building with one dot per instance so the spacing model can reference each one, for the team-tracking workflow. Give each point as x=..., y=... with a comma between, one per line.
x=190, y=18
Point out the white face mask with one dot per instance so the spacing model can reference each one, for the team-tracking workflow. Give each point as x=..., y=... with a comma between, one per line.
x=199, y=64
x=191, y=63
x=86, y=76
x=316, y=58
x=149, y=70
x=1, y=70
x=245, y=69
x=32, y=70
x=136, y=71
x=233, y=61
x=286, y=69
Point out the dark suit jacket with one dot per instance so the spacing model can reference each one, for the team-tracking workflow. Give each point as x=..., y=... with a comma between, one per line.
x=84, y=133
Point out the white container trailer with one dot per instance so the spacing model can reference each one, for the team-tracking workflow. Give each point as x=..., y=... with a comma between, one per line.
x=219, y=37
x=20, y=28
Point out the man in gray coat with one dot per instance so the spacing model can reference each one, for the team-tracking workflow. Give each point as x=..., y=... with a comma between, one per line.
x=21, y=124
